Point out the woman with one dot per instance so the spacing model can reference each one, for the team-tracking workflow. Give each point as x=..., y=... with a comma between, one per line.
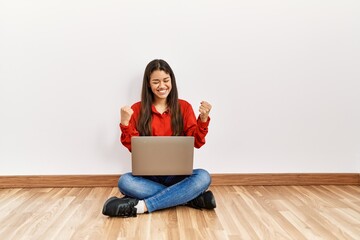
x=161, y=113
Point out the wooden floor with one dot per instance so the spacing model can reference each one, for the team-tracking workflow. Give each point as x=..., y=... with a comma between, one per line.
x=243, y=212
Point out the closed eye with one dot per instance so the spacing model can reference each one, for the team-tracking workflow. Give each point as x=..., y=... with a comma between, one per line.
x=155, y=81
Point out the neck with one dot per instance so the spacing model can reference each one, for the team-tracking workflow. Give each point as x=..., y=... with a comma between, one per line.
x=160, y=102
x=160, y=105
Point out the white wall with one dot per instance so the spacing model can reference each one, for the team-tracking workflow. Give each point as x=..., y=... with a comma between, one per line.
x=283, y=78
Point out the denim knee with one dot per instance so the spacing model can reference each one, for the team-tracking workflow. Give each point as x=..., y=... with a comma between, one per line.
x=124, y=182
x=203, y=177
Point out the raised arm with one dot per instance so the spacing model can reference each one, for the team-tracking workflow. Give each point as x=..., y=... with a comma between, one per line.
x=128, y=116
x=196, y=127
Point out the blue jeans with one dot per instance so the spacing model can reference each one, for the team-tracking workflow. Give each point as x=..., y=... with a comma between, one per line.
x=161, y=192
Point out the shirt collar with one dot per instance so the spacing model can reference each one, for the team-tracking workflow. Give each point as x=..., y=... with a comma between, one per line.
x=153, y=109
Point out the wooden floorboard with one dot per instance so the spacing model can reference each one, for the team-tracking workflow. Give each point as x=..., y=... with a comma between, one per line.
x=243, y=212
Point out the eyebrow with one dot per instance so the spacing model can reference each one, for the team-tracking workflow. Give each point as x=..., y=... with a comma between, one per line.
x=156, y=79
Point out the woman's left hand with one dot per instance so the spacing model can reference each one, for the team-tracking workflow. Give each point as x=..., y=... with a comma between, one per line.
x=204, y=110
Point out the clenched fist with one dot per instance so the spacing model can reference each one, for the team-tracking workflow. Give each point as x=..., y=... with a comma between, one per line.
x=125, y=114
x=204, y=110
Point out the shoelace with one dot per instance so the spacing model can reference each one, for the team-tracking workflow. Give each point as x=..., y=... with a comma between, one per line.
x=126, y=210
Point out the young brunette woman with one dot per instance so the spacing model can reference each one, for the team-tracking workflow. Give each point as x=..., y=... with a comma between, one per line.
x=161, y=113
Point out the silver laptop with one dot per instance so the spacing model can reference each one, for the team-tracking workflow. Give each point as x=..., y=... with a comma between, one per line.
x=162, y=155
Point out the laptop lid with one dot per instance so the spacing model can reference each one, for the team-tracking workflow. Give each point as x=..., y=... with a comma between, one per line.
x=162, y=155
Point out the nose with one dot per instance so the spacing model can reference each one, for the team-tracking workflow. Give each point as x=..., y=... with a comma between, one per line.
x=161, y=84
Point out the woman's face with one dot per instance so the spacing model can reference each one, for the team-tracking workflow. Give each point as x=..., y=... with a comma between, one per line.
x=160, y=84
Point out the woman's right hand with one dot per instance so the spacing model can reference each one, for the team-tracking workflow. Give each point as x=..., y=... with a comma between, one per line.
x=125, y=115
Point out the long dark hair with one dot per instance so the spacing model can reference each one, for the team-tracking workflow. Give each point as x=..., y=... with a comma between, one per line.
x=147, y=99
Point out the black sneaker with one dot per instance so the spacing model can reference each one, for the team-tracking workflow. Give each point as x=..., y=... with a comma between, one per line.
x=120, y=207
x=205, y=200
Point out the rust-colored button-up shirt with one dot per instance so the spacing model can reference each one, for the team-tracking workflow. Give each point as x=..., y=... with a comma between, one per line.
x=161, y=124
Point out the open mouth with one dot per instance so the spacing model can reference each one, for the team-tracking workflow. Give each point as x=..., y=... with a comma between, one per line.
x=162, y=91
